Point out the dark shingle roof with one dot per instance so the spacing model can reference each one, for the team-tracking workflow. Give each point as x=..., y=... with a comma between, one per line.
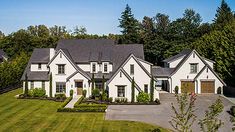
x=2, y=53
x=162, y=72
x=39, y=76
x=87, y=50
x=39, y=55
x=179, y=55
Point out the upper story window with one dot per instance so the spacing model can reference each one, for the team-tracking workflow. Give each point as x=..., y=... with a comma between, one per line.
x=61, y=69
x=105, y=67
x=132, y=69
x=39, y=66
x=93, y=67
x=193, y=68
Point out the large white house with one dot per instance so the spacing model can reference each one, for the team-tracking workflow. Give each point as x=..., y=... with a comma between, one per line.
x=73, y=63
x=190, y=72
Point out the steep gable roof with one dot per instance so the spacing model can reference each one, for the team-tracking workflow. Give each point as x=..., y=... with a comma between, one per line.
x=183, y=53
x=162, y=72
x=88, y=50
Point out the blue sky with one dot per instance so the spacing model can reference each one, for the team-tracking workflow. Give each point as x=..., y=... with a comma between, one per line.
x=98, y=16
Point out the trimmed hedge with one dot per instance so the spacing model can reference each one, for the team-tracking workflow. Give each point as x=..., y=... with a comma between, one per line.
x=22, y=96
x=91, y=105
x=83, y=109
x=65, y=102
x=79, y=101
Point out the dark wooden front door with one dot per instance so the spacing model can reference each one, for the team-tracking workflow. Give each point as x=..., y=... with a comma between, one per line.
x=207, y=87
x=79, y=86
x=187, y=87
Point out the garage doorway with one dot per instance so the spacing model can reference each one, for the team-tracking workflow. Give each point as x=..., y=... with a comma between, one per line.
x=187, y=87
x=207, y=86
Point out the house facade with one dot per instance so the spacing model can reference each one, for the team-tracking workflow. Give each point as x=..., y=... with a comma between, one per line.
x=3, y=56
x=73, y=64
x=190, y=72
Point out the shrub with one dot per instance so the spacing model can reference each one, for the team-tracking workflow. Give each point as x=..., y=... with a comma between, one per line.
x=219, y=89
x=117, y=100
x=96, y=92
x=232, y=110
x=79, y=101
x=37, y=92
x=60, y=96
x=121, y=100
x=71, y=93
x=110, y=99
x=143, y=97
x=104, y=96
x=157, y=101
x=84, y=92
x=176, y=89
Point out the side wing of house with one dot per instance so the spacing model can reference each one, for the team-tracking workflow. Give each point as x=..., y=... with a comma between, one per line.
x=186, y=72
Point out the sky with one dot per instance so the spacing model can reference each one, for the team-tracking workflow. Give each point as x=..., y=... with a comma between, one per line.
x=98, y=16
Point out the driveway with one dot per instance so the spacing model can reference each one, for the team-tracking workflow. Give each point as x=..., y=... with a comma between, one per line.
x=161, y=114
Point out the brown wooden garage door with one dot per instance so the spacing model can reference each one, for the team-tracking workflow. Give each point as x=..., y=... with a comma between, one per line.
x=187, y=87
x=207, y=87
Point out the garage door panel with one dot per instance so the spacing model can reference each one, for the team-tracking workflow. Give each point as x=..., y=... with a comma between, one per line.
x=207, y=87
x=187, y=87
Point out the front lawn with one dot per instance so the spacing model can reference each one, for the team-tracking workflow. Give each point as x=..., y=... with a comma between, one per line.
x=41, y=115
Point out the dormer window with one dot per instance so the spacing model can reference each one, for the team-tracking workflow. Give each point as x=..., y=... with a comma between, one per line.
x=39, y=66
x=93, y=67
x=193, y=68
x=105, y=67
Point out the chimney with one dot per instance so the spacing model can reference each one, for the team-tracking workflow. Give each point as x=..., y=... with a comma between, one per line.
x=52, y=53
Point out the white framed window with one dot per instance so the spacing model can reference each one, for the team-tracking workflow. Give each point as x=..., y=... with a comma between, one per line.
x=121, y=91
x=132, y=69
x=93, y=67
x=43, y=85
x=105, y=67
x=31, y=84
x=193, y=67
x=60, y=87
x=61, y=69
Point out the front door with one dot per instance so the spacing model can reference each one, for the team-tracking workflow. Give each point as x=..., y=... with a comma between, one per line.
x=79, y=86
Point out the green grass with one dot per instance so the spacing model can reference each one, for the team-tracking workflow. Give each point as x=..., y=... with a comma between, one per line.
x=41, y=115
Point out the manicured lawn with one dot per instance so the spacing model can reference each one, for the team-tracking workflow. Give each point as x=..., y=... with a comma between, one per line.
x=41, y=115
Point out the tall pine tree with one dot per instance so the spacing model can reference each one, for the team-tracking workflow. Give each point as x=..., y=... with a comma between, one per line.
x=130, y=26
x=223, y=15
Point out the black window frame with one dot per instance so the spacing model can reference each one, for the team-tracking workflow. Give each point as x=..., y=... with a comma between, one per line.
x=61, y=68
x=146, y=88
x=39, y=66
x=93, y=67
x=132, y=69
x=60, y=87
x=105, y=67
x=193, y=70
x=121, y=90
x=31, y=84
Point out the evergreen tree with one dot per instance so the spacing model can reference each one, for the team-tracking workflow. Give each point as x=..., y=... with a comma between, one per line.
x=103, y=84
x=92, y=82
x=50, y=85
x=26, y=90
x=130, y=26
x=152, y=90
x=133, y=90
x=223, y=15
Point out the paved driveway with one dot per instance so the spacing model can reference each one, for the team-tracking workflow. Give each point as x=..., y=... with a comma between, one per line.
x=161, y=114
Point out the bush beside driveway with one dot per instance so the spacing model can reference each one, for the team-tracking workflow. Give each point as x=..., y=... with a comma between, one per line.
x=161, y=114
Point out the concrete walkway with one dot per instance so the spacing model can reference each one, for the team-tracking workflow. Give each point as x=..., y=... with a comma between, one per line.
x=73, y=101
